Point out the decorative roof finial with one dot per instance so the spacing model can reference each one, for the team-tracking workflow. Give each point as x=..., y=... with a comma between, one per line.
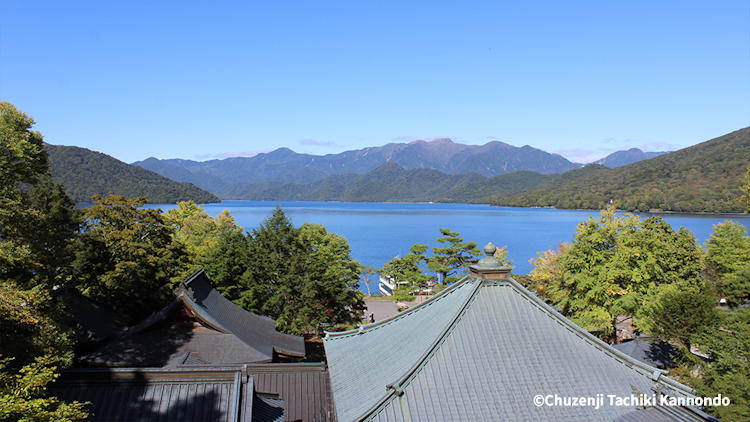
x=490, y=266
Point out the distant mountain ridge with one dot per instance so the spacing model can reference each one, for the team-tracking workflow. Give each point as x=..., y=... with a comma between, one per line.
x=286, y=166
x=705, y=177
x=390, y=182
x=85, y=173
x=625, y=157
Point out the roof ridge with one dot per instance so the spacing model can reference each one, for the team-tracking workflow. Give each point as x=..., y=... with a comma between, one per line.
x=363, y=328
x=395, y=389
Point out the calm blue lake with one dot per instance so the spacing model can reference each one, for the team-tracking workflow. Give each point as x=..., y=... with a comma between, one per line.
x=379, y=231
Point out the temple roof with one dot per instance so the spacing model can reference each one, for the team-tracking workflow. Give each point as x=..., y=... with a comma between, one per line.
x=200, y=326
x=480, y=350
x=149, y=394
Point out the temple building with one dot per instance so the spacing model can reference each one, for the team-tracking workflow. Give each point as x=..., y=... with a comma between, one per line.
x=488, y=349
x=201, y=358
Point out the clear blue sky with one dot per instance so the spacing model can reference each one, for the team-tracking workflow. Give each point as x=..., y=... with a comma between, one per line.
x=212, y=79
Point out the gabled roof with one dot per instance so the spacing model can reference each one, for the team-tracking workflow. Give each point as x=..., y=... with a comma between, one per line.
x=481, y=350
x=200, y=326
x=258, y=332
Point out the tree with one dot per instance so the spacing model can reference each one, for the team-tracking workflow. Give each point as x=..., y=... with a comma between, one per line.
x=199, y=234
x=37, y=220
x=23, y=395
x=614, y=266
x=678, y=313
x=228, y=264
x=547, y=274
x=450, y=261
x=726, y=372
x=406, y=270
x=127, y=258
x=301, y=277
x=746, y=190
x=728, y=248
x=736, y=286
x=37, y=226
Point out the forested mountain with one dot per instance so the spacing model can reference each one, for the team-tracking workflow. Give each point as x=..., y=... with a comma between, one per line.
x=85, y=173
x=391, y=182
x=630, y=156
x=286, y=166
x=702, y=178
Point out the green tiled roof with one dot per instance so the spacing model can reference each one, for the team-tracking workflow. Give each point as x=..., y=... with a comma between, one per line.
x=480, y=351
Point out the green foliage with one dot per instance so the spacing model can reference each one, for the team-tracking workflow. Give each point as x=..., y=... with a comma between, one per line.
x=614, y=266
x=728, y=260
x=728, y=247
x=199, y=234
x=87, y=173
x=302, y=277
x=727, y=372
x=37, y=226
x=23, y=394
x=736, y=286
x=391, y=182
x=746, y=190
x=704, y=177
x=31, y=325
x=405, y=271
x=450, y=261
x=678, y=313
x=127, y=257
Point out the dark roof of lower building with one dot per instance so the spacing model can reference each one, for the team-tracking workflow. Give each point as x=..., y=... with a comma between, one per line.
x=304, y=387
x=260, y=392
x=199, y=395
x=650, y=351
x=200, y=326
x=258, y=332
x=480, y=350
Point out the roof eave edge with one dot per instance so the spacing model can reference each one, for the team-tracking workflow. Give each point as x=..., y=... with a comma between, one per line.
x=367, y=327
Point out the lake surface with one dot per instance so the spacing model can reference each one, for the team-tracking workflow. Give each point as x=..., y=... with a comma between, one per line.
x=379, y=231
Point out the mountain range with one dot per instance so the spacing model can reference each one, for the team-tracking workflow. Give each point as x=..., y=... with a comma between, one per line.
x=85, y=173
x=229, y=176
x=705, y=177
x=262, y=175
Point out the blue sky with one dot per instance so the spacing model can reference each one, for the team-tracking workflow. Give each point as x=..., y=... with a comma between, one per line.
x=214, y=79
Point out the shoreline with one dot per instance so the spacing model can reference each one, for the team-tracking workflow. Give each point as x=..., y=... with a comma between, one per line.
x=700, y=213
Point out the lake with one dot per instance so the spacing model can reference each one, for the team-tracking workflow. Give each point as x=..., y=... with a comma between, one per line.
x=379, y=231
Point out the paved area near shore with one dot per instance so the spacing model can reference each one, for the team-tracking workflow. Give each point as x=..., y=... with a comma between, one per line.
x=381, y=308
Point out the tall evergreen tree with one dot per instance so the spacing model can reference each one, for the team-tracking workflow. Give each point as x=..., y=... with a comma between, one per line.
x=300, y=276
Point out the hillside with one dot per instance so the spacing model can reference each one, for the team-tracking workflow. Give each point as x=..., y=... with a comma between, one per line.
x=85, y=173
x=391, y=182
x=229, y=176
x=702, y=178
x=629, y=156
